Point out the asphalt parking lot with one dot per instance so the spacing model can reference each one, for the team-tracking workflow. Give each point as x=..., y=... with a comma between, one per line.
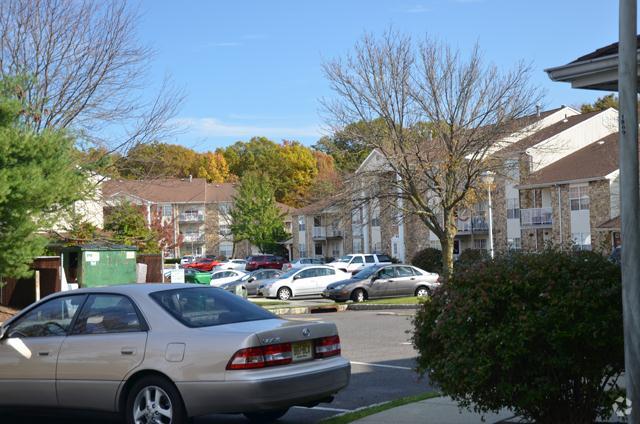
x=381, y=356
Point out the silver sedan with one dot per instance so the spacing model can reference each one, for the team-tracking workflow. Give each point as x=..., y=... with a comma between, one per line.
x=159, y=353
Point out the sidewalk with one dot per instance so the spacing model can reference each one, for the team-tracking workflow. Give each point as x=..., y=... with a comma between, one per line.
x=440, y=410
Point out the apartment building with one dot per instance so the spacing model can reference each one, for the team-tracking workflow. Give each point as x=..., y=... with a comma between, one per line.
x=541, y=141
x=198, y=211
x=579, y=197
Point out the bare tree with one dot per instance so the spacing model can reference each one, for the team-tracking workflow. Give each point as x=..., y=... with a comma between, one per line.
x=84, y=70
x=443, y=114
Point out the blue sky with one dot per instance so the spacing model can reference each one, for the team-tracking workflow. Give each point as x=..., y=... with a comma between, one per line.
x=254, y=67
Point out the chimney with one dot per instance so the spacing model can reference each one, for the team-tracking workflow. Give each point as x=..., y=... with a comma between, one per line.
x=538, y=108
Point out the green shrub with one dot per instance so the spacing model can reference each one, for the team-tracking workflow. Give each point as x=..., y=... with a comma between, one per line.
x=538, y=333
x=471, y=257
x=171, y=261
x=429, y=259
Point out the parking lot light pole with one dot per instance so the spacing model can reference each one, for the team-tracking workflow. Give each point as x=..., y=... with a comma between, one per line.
x=487, y=177
x=629, y=198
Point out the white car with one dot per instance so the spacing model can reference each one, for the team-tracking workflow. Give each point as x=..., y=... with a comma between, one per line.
x=308, y=281
x=357, y=262
x=302, y=262
x=237, y=264
x=223, y=276
x=187, y=259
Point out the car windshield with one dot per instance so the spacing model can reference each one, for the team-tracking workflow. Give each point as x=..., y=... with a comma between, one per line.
x=208, y=306
x=345, y=258
x=366, y=272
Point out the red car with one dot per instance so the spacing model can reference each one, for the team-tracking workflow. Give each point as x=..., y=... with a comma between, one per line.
x=266, y=262
x=203, y=264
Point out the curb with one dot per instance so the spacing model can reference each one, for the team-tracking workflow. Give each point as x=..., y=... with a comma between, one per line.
x=301, y=310
x=365, y=307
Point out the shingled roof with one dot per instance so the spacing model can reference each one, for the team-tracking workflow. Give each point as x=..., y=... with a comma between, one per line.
x=593, y=162
x=171, y=190
x=609, y=50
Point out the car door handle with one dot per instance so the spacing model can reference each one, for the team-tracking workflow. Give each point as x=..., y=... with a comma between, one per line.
x=43, y=353
x=412, y=278
x=127, y=351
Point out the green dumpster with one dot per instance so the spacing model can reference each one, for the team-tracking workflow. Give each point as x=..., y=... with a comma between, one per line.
x=197, y=277
x=94, y=265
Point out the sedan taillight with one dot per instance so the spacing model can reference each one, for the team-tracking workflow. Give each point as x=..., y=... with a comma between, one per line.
x=260, y=357
x=328, y=346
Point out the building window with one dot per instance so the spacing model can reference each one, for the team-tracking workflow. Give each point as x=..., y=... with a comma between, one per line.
x=224, y=208
x=480, y=244
x=357, y=245
x=302, y=248
x=226, y=249
x=579, y=198
x=301, y=225
x=317, y=221
x=375, y=221
x=514, y=243
x=582, y=241
x=513, y=209
x=224, y=230
x=395, y=249
x=167, y=211
x=318, y=249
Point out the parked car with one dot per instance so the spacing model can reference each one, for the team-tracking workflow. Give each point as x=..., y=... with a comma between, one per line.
x=308, y=281
x=383, y=281
x=237, y=264
x=307, y=261
x=266, y=261
x=160, y=353
x=252, y=281
x=222, y=276
x=355, y=263
x=187, y=259
x=202, y=264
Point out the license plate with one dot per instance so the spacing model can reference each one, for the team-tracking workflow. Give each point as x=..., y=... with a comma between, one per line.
x=302, y=351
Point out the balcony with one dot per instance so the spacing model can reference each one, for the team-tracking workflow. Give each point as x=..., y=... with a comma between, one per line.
x=319, y=233
x=536, y=217
x=193, y=238
x=477, y=224
x=334, y=232
x=191, y=217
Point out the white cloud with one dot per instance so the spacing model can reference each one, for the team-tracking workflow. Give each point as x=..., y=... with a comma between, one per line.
x=212, y=127
x=419, y=8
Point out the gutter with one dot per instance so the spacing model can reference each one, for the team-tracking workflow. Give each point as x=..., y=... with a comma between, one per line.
x=556, y=183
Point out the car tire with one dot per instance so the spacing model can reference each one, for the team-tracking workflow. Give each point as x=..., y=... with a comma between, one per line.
x=164, y=397
x=284, y=293
x=358, y=296
x=265, y=416
x=422, y=291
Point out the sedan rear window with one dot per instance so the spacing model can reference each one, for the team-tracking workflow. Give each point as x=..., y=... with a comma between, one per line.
x=208, y=306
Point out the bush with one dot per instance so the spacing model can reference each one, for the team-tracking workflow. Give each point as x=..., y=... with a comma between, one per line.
x=171, y=261
x=429, y=259
x=470, y=258
x=538, y=333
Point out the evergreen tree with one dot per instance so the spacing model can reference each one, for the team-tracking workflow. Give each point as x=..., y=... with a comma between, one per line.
x=256, y=216
x=38, y=178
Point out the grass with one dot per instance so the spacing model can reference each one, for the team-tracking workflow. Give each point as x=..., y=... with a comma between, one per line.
x=409, y=300
x=365, y=412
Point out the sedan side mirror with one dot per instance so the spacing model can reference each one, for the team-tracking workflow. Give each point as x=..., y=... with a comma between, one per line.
x=297, y=277
x=251, y=279
x=374, y=278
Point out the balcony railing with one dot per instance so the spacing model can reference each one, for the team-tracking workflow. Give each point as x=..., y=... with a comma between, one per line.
x=191, y=217
x=334, y=232
x=319, y=233
x=475, y=224
x=536, y=217
x=193, y=238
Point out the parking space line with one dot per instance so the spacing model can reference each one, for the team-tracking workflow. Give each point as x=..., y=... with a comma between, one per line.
x=382, y=366
x=324, y=408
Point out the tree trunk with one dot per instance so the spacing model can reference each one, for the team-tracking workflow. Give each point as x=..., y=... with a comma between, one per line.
x=447, y=242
